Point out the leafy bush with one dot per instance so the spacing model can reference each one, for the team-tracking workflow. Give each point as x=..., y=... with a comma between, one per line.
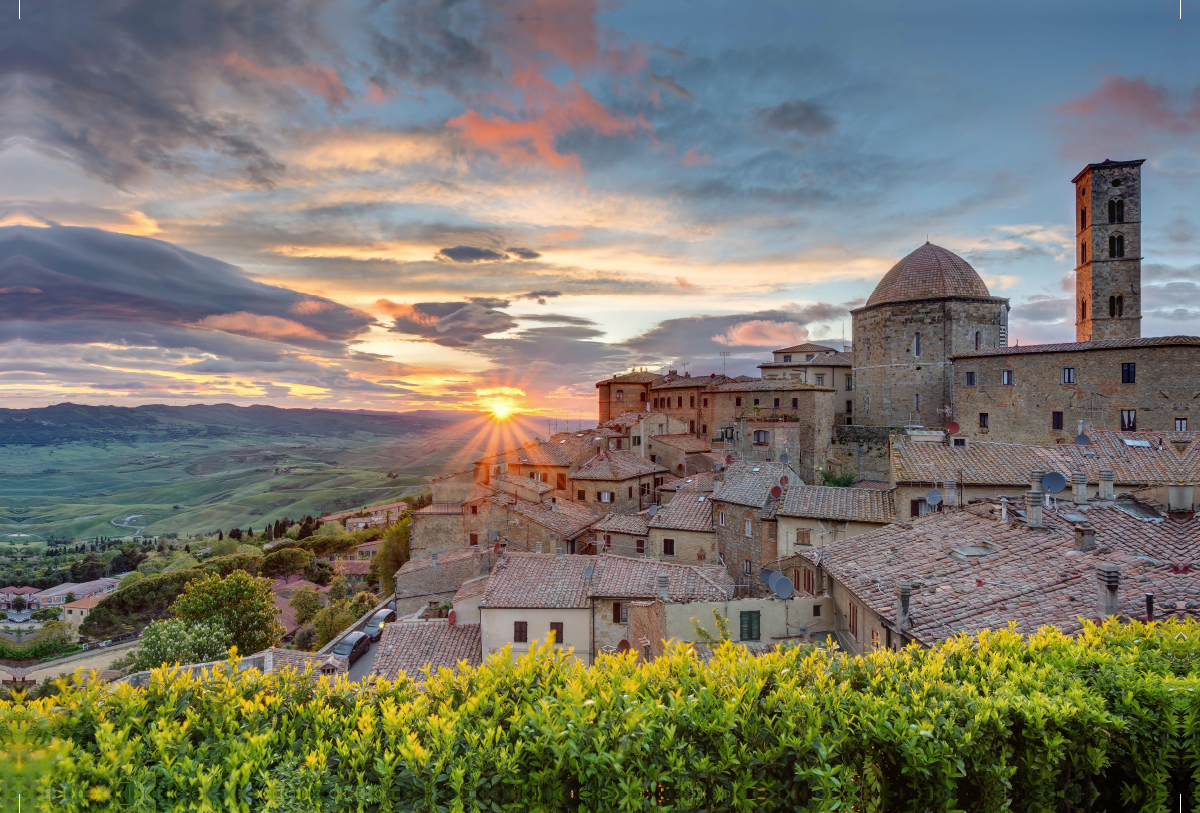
x=224, y=565
x=305, y=638
x=180, y=561
x=45, y=614
x=224, y=547
x=843, y=480
x=240, y=603
x=1105, y=721
x=133, y=607
x=172, y=641
x=331, y=621
x=306, y=603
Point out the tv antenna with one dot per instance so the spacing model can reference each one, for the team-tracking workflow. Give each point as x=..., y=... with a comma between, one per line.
x=725, y=354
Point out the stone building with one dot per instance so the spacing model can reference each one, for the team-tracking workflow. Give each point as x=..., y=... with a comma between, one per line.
x=1039, y=393
x=619, y=482
x=683, y=530
x=820, y=515
x=930, y=306
x=624, y=392
x=618, y=534
x=687, y=399
x=1108, y=239
x=744, y=508
x=674, y=452
x=821, y=366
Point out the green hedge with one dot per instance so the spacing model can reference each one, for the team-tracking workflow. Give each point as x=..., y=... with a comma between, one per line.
x=1106, y=721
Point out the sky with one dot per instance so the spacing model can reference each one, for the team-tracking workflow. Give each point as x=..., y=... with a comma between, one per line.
x=492, y=204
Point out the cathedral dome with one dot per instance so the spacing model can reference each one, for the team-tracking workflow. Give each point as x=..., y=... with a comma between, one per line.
x=930, y=272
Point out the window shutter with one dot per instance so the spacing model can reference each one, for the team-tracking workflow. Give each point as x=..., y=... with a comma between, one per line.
x=616, y=612
x=745, y=631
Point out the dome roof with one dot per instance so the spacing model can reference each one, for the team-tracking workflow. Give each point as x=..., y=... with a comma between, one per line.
x=930, y=272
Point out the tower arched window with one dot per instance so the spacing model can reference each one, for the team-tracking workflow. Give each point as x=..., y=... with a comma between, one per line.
x=1082, y=218
x=916, y=344
x=978, y=340
x=1083, y=253
x=1083, y=311
x=1116, y=245
x=1116, y=211
x=1120, y=306
x=1112, y=306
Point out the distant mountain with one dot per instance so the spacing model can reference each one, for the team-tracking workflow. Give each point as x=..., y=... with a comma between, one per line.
x=69, y=423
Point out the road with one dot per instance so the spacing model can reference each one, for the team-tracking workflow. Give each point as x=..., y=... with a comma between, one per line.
x=100, y=661
x=363, y=667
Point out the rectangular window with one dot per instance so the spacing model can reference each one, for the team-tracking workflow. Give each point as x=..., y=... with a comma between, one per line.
x=668, y=547
x=520, y=632
x=849, y=383
x=919, y=508
x=772, y=531
x=1068, y=375
x=776, y=404
x=636, y=440
x=581, y=495
x=474, y=539
x=692, y=401
x=875, y=638
x=983, y=420
x=849, y=406
x=854, y=621
x=681, y=401
x=474, y=509
x=969, y=380
x=750, y=625
x=960, y=443
x=641, y=546
x=1006, y=377
x=1128, y=420
x=643, y=489
x=756, y=402
x=748, y=527
x=820, y=381
x=617, y=612
x=737, y=401
x=631, y=492
x=721, y=518
x=1181, y=424
x=747, y=567
x=816, y=610
x=562, y=478
x=556, y=629
x=705, y=402
x=808, y=581
x=618, y=444
x=1128, y=373
x=787, y=358
x=803, y=536
x=704, y=429
x=1056, y=420
x=605, y=496
x=916, y=344
x=795, y=403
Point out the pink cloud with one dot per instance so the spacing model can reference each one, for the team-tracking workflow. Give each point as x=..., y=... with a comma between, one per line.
x=313, y=77
x=307, y=307
x=762, y=333
x=258, y=326
x=691, y=158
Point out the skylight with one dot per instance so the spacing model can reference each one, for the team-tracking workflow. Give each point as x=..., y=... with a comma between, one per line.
x=1144, y=444
x=967, y=553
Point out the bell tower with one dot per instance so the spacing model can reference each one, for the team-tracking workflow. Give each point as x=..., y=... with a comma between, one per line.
x=1108, y=251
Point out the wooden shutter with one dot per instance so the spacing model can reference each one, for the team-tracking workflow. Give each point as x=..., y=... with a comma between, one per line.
x=557, y=628
x=750, y=625
x=616, y=612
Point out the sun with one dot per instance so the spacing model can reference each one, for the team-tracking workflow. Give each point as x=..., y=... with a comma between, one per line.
x=501, y=408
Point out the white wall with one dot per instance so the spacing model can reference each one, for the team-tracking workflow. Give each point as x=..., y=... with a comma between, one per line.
x=777, y=618
x=496, y=629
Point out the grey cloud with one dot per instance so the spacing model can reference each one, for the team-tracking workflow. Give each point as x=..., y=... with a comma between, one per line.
x=669, y=83
x=452, y=324
x=471, y=254
x=523, y=253
x=554, y=318
x=798, y=116
x=490, y=302
x=1044, y=310
x=692, y=336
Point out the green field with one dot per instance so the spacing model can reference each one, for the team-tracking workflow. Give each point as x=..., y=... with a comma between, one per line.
x=189, y=473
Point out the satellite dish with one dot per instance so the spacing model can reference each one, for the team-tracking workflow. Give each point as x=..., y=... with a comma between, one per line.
x=623, y=646
x=728, y=459
x=1053, y=482
x=589, y=570
x=781, y=586
x=776, y=492
x=783, y=458
x=953, y=428
x=652, y=510
x=495, y=536
x=933, y=497
x=451, y=617
x=783, y=481
x=658, y=459
x=1083, y=440
x=764, y=575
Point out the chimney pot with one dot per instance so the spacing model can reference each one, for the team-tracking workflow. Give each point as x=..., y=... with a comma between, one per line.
x=1107, y=483
x=1035, y=480
x=664, y=582
x=903, y=603
x=1085, y=538
x=1079, y=479
x=1108, y=577
x=1033, y=504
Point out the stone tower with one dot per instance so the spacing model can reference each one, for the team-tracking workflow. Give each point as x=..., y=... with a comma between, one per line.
x=928, y=307
x=1108, y=251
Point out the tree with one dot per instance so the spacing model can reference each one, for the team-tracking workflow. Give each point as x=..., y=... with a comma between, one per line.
x=45, y=614
x=306, y=603
x=393, y=553
x=361, y=604
x=88, y=568
x=69, y=597
x=130, y=580
x=19, y=603
x=305, y=638
x=242, y=604
x=223, y=546
x=172, y=641
x=286, y=562
x=236, y=533
x=338, y=589
x=331, y=621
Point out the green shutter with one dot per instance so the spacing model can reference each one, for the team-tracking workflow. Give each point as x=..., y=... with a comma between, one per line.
x=750, y=625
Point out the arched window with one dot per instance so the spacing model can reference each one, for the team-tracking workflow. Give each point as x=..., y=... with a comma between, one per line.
x=1083, y=218
x=1083, y=253
x=1112, y=306
x=916, y=344
x=1120, y=211
x=620, y=395
x=1116, y=211
x=978, y=339
x=1120, y=306
x=1120, y=245
x=1083, y=311
x=1116, y=245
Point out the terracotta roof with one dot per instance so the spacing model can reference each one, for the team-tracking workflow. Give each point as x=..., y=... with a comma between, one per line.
x=627, y=577
x=879, y=485
x=452, y=474
x=982, y=463
x=18, y=591
x=1034, y=577
x=633, y=378
x=1078, y=347
x=703, y=481
x=562, y=449
x=683, y=442
x=87, y=602
x=807, y=347
x=471, y=588
x=287, y=588
x=770, y=385
x=616, y=466
x=538, y=580
x=701, y=381
x=749, y=483
x=564, y=518
x=440, y=509
x=444, y=558
x=834, y=360
x=537, y=486
x=841, y=504
x=688, y=511
x=285, y=614
x=352, y=567
x=930, y=272
x=631, y=524
x=410, y=647
x=627, y=419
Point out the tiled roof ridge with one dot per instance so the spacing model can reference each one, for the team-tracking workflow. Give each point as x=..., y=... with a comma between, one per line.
x=1074, y=347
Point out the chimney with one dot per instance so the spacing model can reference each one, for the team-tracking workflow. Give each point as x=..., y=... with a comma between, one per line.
x=951, y=498
x=1085, y=537
x=1108, y=576
x=433, y=557
x=1033, y=505
x=1107, y=481
x=1149, y=607
x=1035, y=480
x=1181, y=498
x=558, y=552
x=538, y=547
x=672, y=372
x=663, y=582
x=1079, y=479
x=903, y=602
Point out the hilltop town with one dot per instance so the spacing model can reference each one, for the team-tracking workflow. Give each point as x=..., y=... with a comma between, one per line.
x=924, y=480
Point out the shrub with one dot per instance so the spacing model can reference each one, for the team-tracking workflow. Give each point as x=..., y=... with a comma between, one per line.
x=286, y=562
x=133, y=607
x=242, y=604
x=842, y=480
x=173, y=641
x=331, y=621
x=45, y=614
x=224, y=546
x=305, y=638
x=224, y=565
x=1105, y=721
x=306, y=603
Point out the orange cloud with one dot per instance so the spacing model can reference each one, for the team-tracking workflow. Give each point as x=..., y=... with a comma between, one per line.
x=399, y=310
x=691, y=158
x=258, y=326
x=308, y=307
x=314, y=77
x=762, y=333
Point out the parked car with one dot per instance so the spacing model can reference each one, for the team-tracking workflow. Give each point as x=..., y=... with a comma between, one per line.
x=353, y=646
x=375, y=626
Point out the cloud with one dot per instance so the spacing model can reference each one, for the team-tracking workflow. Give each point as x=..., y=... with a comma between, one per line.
x=471, y=254
x=762, y=333
x=523, y=253
x=321, y=80
x=1136, y=102
x=263, y=327
x=691, y=158
x=669, y=83
x=450, y=324
x=798, y=116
